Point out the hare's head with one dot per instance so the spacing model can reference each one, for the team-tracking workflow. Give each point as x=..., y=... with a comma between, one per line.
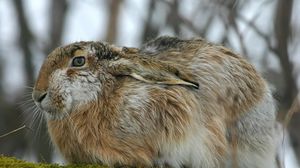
x=80, y=73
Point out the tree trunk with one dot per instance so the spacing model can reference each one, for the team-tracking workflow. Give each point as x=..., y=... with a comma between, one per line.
x=282, y=33
x=113, y=21
x=57, y=18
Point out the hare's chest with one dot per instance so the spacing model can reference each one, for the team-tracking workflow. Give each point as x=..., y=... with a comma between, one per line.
x=67, y=140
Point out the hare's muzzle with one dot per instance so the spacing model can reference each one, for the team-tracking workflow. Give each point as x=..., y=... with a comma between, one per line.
x=38, y=96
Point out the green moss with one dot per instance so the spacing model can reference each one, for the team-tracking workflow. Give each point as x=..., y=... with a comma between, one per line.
x=11, y=162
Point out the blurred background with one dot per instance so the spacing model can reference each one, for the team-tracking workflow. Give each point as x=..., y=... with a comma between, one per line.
x=266, y=32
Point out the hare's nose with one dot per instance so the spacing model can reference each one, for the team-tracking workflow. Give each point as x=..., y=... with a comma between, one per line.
x=38, y=96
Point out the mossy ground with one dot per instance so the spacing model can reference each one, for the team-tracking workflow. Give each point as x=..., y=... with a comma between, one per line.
x=11, y=162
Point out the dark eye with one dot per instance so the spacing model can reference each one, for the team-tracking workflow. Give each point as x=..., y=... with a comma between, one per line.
x=78, y=61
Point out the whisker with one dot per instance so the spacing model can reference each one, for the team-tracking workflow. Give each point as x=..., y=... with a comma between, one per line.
x=37, y=123
x=28, y=87
x=27, y=95
x=36, y=117
x=26, y=98
x=27, y=92
x=27, y=113
x=41, y=122
x=25, y=102
x=26, y=108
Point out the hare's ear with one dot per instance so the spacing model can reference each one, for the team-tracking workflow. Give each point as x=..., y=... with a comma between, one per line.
x=150, y=70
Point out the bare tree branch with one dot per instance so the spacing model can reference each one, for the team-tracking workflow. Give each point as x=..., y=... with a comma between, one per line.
x=265, y=37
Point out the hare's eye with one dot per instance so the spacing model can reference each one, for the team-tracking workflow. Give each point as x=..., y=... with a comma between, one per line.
x=78, y=61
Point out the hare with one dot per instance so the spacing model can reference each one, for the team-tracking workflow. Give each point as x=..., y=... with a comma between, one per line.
x=171, y=103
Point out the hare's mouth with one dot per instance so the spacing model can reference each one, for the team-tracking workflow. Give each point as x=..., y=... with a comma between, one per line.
x=52, y=112
x=46, y=104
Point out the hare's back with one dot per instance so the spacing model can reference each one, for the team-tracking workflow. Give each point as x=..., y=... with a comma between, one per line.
x=224, y=77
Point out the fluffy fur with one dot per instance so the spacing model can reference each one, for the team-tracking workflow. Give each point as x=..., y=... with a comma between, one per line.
x=172, y=103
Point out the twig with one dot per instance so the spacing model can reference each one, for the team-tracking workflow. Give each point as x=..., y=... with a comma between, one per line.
x=186, y=22
x=264, y=36
x=14, y=131
x=294, y=108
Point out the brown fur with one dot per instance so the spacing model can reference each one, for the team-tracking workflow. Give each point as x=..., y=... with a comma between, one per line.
x=152, y=98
